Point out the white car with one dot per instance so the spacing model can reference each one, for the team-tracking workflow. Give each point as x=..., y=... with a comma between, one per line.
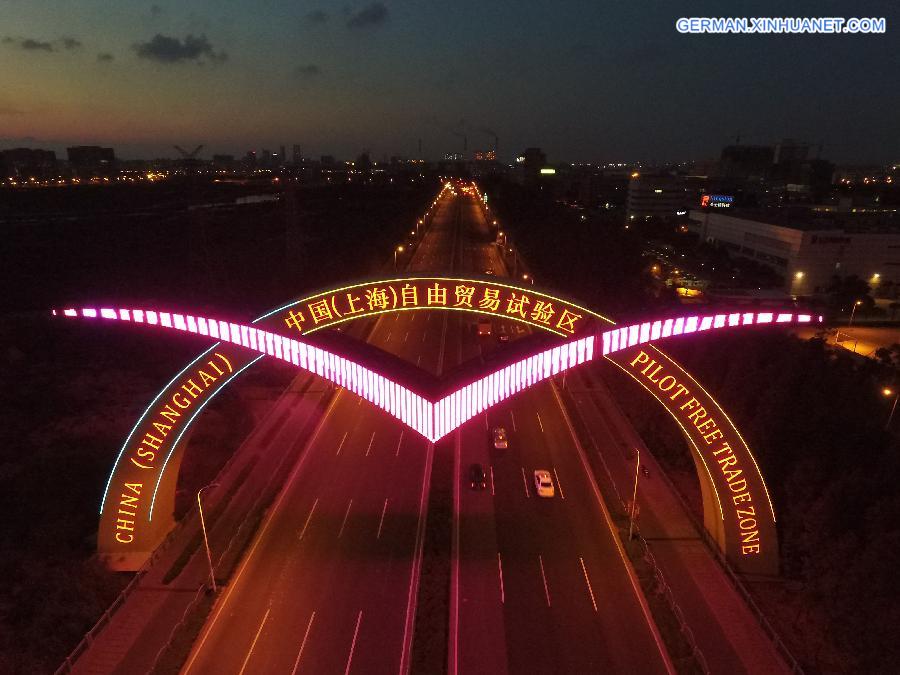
x=500, y=442
x=543, y=483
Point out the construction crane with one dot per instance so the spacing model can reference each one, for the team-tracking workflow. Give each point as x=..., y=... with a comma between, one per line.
x=192, y=155
x=496, y=141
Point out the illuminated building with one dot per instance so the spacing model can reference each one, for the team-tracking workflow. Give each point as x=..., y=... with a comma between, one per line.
x=656, y=196
x=809, y=249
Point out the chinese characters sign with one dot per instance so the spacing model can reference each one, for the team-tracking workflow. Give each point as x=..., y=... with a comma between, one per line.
x=470, y=295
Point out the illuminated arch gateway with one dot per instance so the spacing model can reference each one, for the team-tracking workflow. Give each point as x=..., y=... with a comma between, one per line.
x=137, y=507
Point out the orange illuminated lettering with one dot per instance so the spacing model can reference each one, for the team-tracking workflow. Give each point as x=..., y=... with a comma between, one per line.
x=464, y=295
x=437, y=295
x=294, y=319
x=543, y=311
x=376, y=298
x=320, y=311
x=409, y=295
x=516, y=305
x=567, y=321
x=350, y=302
x=193, y=389
x=491, y=299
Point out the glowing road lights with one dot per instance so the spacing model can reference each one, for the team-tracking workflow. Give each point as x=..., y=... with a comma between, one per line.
x=430, y=419
x=629, y=336
x=436, y=419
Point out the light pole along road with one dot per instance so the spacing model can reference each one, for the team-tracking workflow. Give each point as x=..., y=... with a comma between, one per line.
x=328, y=584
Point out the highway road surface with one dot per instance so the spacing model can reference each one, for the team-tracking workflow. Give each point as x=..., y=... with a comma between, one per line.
x=329, y=583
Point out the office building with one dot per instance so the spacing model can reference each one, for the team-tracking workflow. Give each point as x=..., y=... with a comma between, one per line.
x=810, y=248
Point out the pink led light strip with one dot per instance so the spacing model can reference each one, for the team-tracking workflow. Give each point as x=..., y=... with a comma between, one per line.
x=639, y=333
x=431, y=420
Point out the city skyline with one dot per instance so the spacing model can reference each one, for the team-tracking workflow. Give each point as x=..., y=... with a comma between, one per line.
x=584, y=83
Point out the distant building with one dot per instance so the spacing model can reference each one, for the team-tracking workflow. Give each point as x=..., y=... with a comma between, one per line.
x=89, y=161
x=790, y=150
x=282, y=156
x=657, y=196
x=746, y=161
x=485, y=156
x=224, y=162
x=266, y=161
x=25, y=163
x=809, y=248
x=454, y=157
x=297, y=157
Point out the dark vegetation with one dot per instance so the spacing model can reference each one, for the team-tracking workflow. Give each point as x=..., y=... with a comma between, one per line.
x=815, y=419
x=69, y=392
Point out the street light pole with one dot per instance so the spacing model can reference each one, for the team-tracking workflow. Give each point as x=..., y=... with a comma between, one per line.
x=212, y=574
x=888, y=392
x=397, y=250
x=856, y=303
x=637, y=468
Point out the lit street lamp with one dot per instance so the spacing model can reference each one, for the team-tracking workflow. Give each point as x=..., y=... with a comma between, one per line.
x=896, y=394
x=397, y=250
x=526, y=277
x=637, y=468
x=212, y=574
x=849, y=323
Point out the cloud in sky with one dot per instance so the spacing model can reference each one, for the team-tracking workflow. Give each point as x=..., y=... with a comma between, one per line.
x=29, y=44
x=104, y=57
x=307, y=71
x=166, y=49
x=70, y=43
x=317, y=16
x=373, y=14
x=155, y=10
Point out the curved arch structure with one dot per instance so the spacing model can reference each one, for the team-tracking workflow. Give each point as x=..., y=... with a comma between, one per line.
x=133, y=520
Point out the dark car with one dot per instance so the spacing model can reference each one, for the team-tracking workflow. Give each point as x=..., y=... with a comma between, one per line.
x=476, y=477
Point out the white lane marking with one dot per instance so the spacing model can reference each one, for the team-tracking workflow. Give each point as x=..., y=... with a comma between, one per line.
x=308, y=518
x=588, y=582
x=344, y=522
x=353, y=644
x=253, y=644
x=558, y=484
x=500, y=570
x=513, y=418
x=359, y=402
x=544, y=577
x=485, y=422
x=525, y=481
x=270, y=514
x=381, y=522
x=371, y=440
x=419, y=360
x=540, y=424
x=388, y=338
x=416, y=567
x=342, y=441
x=492, y=479
x=406, y=337
x=303, y=644
x=396, y=316
x=423, y=337
x=399, y=443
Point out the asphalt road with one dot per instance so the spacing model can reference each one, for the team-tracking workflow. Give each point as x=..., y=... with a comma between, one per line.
x=328, y=585
x=540, y=584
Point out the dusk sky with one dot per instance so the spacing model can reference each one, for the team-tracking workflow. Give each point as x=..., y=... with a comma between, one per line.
x=586, y=81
